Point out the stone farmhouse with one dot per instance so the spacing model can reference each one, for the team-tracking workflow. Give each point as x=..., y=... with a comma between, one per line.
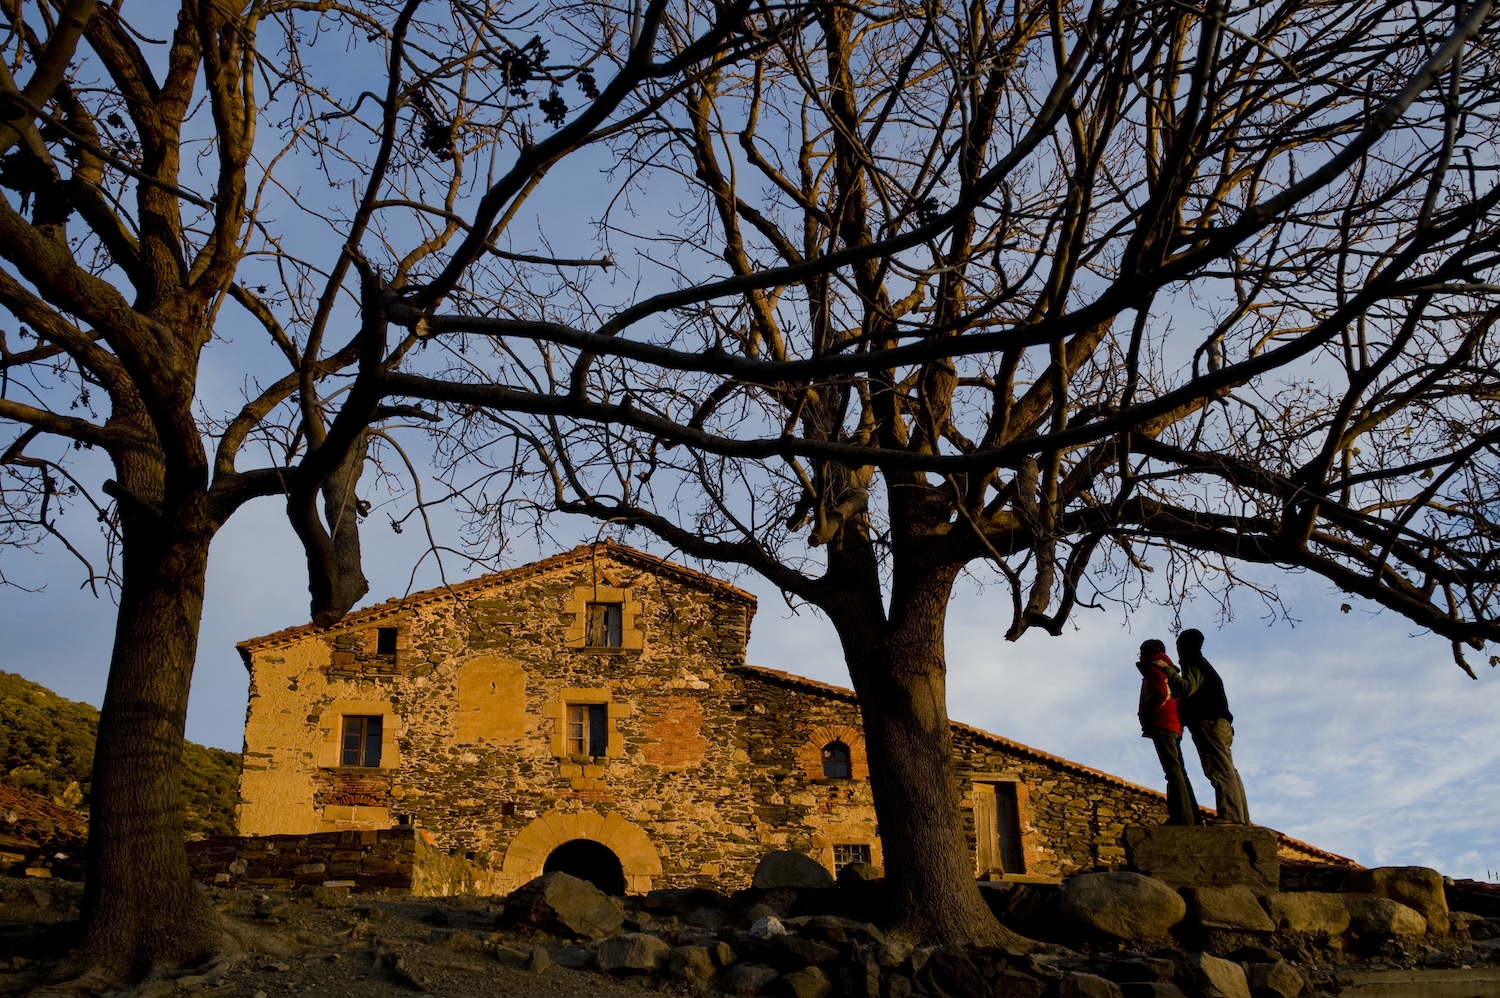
x=593, y=712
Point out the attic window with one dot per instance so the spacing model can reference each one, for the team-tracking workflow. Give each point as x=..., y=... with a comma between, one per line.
x=836, y=761
x=605, y=626
x=385, y=641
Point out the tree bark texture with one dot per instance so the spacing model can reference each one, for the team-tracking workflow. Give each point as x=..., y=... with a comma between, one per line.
x=141, y=906
x=900, y=674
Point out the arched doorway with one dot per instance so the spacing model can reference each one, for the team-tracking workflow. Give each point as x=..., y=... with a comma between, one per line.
x=534, y=845
x=591, y=861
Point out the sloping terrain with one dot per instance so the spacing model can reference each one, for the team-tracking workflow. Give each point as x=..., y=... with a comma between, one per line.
x=47, y=747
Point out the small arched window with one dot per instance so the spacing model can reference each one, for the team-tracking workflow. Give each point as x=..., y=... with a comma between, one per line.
x=836, y=761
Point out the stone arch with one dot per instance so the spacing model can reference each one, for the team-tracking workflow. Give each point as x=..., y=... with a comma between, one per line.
x=532, y=845
x=810, y=755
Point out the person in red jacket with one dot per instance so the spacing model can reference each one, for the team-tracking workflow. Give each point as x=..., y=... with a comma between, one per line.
x=1159, y=722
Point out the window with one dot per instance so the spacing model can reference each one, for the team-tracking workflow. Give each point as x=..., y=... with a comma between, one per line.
x=605, y=625
x=836, y=761
x=361, y=745
x=385, y=641
x=843, y=855
x=587, y=733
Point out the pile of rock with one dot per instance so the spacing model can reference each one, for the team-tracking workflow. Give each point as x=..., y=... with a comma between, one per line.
x=1106, y=933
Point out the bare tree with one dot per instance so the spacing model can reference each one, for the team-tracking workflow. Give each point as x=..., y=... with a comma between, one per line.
x=291, y=161
x=1079, y=290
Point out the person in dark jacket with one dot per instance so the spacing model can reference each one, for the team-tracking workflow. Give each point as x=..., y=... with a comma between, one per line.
x=1159, y=722
x=1204, y=710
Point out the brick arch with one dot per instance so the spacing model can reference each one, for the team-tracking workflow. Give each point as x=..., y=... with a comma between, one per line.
x=357, y=799
x=629, y=841
x=810, y=755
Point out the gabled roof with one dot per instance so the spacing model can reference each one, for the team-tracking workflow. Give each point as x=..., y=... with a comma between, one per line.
x=1026, y=751
x=577, y=556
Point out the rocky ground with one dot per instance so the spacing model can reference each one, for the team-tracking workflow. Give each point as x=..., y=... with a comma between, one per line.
x=1106, y=936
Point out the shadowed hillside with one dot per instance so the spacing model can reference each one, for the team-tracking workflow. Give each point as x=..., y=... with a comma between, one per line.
x=47, y=747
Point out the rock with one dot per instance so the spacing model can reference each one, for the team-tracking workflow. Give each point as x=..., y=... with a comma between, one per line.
x=576, y=957
x=539, y=962
x=563, y=903
x=949, y=971
x=809, y=982
x=1417, y=887
x=790, y=869
x=722, y=953
x=1014, y=984
x=893, y=955
x=1380, y=915
x=706, y=918
x=749, y=978
x=1088, y=986
x=768, y=927
x=1151, y=989
x=854, y=874
x=692, y=963
x=899, y=986
x=637, y=952
x=1212, y=977
x=1123, y=905
x=1279, y=978
x=1233, y=907
x=1206, y=855
x=1308, y=911
x=682, y=900
x=807, y=950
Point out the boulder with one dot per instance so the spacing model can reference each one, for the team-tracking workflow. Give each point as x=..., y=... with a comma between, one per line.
x=1152, y=989
x=768, y=927
x=559, y=902
x=1014, y=984
x=1279, y=978
x=948, y=970
x=854, y=874
x=1123, y=905
x=749, y=978
x=1380, y=915
x=809, y=982
x=692, y=963
x=1417, y=887
x=1233, y=907
x=790, y=869
x=633, y=952
x=1087, y=986
x=1205, y=855
x=1212, y=977
x=1308, y=911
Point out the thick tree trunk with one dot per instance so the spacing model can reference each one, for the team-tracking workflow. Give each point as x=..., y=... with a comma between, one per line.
x=141, y=907
x=899, y=671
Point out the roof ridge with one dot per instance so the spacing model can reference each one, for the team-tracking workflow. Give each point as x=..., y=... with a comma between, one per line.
x=1020, y=748
x=426, y=597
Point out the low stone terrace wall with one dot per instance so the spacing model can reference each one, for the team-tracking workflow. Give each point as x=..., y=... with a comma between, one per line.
x=389, y=861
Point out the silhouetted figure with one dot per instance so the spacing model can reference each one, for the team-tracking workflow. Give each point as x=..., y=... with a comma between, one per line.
x=1160, y=723
x=1204, y=710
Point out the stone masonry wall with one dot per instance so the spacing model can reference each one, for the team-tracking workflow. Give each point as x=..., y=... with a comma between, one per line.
x=709, y=763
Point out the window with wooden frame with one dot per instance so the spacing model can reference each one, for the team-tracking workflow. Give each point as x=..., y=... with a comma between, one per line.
x=588, y=730
x=385, y=641
x=605, y=625
x=360, y=745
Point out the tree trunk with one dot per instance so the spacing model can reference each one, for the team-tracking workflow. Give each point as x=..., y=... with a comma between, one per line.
x=141, y=907
x=899, y=671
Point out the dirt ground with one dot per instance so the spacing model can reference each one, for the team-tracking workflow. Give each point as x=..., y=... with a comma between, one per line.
x=365, y=946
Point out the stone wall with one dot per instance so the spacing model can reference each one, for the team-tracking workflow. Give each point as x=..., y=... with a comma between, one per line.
x=709, y=763
x=389, y=861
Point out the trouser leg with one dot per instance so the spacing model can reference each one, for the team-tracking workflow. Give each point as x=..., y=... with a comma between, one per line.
x=1213, y=739
x=1182, y=808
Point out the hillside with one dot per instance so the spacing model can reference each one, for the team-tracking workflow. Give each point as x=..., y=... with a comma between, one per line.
x=47, y=747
